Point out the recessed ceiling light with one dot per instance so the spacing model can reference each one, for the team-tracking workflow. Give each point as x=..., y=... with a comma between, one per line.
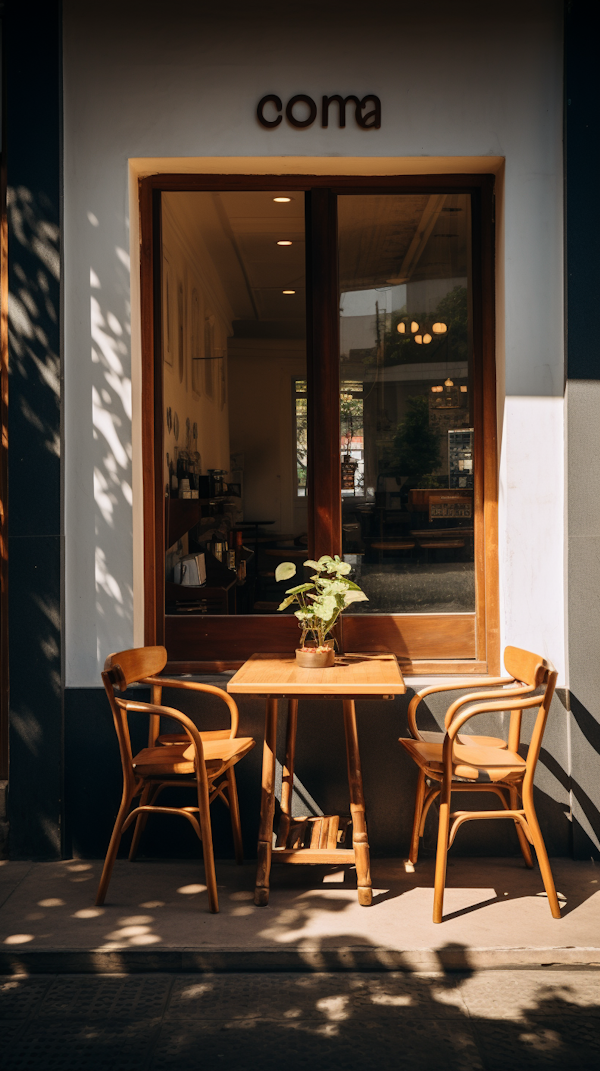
x=284, y=243
x=282, y=200
x=288, y=291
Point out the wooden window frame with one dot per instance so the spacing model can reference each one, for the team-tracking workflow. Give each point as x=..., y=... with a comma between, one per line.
x=4, y=695
x=227, y=641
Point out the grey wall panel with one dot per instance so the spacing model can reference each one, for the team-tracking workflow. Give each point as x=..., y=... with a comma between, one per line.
x=583, y=446
x=582, y=240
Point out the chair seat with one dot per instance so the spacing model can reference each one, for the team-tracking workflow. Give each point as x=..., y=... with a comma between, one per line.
x=466, y=741
x=472, y=762
x=178, y=758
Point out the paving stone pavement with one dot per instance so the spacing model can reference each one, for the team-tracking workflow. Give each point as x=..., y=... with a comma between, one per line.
x=478, y=1021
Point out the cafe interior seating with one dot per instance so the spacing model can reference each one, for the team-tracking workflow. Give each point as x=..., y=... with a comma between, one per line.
x=454, y=761
x=201, y=760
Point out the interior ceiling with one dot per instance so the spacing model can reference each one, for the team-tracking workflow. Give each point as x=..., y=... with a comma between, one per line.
x=401, y=238
x=240, y=231
x=383, y=239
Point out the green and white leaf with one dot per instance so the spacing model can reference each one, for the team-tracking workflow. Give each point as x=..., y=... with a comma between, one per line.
x=355, y=596
x=285, y=571
x=343, y=568
x=304, y=615
x=325, y=607
x=333, y=587
x=286, y=602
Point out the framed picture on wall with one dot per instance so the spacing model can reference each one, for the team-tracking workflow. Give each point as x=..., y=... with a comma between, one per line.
x=169, y=311
x=209, y=353
x=195, y=342
x=223, y=377
x=180, y=331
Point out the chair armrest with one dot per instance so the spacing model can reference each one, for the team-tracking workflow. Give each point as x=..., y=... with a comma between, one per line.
x=467, y=682
x=169, y=712
x=483, y=708
x=480, y=708
x=476, y=697
x=196, y=686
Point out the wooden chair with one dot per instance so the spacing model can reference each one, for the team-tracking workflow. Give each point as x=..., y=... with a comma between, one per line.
x=200, y=760
x=453, y=761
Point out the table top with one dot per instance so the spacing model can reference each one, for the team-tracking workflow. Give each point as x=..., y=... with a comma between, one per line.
x=353, y=675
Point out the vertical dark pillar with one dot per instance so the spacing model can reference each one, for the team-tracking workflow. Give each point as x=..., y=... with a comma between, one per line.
x=32, y=50
x=582, y=166
x=323, y=373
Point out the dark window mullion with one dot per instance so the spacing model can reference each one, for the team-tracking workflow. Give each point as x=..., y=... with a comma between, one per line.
x=323, y=374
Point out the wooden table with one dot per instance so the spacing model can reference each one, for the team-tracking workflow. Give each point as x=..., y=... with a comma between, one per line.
x=363, y=676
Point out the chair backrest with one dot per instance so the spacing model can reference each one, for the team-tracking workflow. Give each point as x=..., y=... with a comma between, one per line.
x=127, y=667
x=534, y=671
x=120, y=670
x=535, y=743
x=524, y=666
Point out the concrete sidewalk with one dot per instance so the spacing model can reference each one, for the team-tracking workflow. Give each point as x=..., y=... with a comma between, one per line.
x=156, y=918
x=531, y=1020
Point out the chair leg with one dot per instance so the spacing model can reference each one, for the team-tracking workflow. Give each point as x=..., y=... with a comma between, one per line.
x=113, y=848
x=523, y=842
x=419, y=799
x=140, y=824
x=540, y=851
x=442, y=851
x=234, y=810
x=207, y=846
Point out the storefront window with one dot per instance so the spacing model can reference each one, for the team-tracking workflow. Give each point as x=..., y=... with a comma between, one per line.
x=234, y=440
x=406, y=410
x=326, y=385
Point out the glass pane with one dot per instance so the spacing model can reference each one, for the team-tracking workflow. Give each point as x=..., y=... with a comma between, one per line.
x=406, y=401
x=234, y=386
x=301, y=436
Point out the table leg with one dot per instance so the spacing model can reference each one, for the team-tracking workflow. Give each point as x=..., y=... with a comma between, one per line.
x=267, y=807
x=287, y=783
x=360, y=841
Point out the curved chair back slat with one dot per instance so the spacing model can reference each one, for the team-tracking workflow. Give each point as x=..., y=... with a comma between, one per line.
x=127, y=667
x=525, y=666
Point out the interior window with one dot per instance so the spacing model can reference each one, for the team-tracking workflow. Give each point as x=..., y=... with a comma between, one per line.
x=300, y=436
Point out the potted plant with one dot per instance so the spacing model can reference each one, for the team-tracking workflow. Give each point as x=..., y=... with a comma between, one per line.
x=320, y=603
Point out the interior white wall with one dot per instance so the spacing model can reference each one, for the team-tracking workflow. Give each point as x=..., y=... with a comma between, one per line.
x=142, y=85
x=192, y=268
x=261, y=406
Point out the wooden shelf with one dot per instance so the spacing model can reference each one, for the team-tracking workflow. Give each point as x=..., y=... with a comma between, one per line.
x=181, y=515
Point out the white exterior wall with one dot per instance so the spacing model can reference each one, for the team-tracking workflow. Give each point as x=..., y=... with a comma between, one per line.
x=152, y=87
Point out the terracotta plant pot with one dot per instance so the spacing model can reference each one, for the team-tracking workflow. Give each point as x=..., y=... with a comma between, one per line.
x=312, y=658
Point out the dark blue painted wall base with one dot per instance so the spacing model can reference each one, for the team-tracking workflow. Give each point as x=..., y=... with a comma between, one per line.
x=93, y=777
x=32, y=33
